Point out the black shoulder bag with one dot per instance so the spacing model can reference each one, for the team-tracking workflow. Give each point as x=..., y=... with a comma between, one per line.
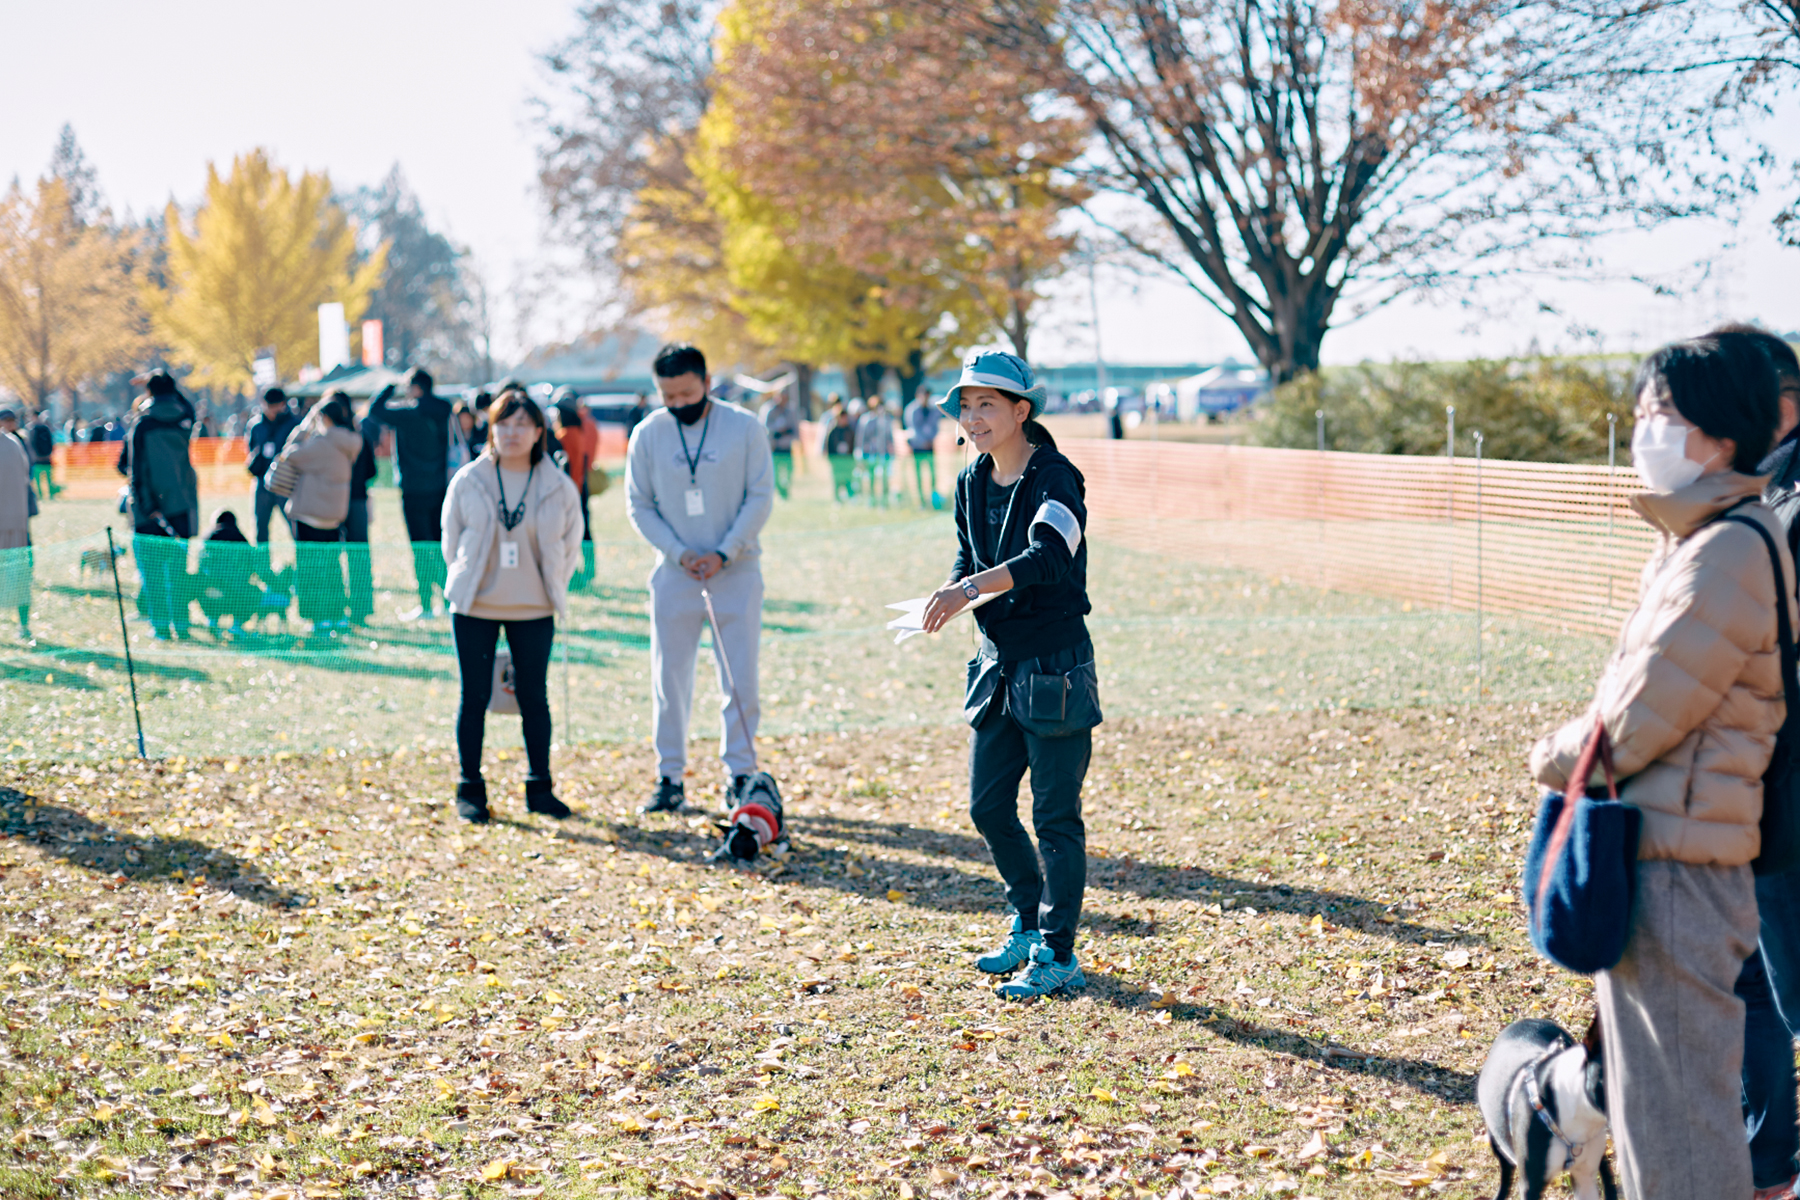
x=1781, y=782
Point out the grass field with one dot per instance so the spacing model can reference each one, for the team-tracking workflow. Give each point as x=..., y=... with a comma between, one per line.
x=270, y=964
x=300, y=976
x=1173, y=637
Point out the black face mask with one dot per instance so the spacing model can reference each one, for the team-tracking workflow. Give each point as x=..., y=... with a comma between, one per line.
x=687, y=414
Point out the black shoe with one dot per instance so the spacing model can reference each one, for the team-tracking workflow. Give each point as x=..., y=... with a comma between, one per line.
x=471, y=802
x=670, y=796
x=545, y=802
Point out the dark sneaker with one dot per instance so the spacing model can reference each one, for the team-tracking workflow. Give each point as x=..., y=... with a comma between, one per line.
x=545, y=802
x=670, y=796
x=471, y=802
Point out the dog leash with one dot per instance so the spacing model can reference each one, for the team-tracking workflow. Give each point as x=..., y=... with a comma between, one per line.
x=1534, y=1097
x=737, y=705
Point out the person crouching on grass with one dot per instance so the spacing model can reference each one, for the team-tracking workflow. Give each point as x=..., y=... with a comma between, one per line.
x=1033, y=695
x=512, y=536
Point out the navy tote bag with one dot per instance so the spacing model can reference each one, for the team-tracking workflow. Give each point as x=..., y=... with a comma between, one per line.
x=1581, y=869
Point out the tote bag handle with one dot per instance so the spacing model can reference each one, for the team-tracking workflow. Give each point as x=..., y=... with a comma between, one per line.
x=1599, y=747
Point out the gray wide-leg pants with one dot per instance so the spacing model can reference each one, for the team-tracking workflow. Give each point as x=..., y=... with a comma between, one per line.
x=677, y=615
x=1674, y=1035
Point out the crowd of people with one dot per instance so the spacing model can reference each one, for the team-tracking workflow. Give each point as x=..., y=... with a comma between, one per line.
x=859, y=440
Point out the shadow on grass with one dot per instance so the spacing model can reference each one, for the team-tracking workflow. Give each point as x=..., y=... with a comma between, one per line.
x=82, y=842
x=59, y=680
x=950, y=887
x=116, y=662
x=1446, y=1083
x=1151, y=880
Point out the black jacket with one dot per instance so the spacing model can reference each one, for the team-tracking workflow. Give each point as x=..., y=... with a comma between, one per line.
x=363, y=469
x=265, y=438
x=421, y=440
x=43, y=442
x=1783, y=469
x=155, y=460
x=1043, y=612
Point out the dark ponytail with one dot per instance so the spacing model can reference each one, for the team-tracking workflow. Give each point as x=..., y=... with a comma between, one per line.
x=1037, y=435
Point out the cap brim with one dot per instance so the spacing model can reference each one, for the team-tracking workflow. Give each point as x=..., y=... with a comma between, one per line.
x=951, y=404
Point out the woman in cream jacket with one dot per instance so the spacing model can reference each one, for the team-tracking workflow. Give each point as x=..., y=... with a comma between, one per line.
x=1692, y=700
x=313, y=472
x=512, y=538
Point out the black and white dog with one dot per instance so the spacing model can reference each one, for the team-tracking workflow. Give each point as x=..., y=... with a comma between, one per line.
x=755, y=824
x=1543, y=1096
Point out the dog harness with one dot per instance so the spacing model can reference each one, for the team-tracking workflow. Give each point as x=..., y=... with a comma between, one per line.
x=1534, y=1097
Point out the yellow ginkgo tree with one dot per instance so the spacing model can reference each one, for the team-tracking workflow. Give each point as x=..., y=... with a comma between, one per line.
x=68, y=311
x=264, y=251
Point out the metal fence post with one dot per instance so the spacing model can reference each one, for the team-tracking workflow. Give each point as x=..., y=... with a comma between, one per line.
x=1479, y=664
x=1450, y=507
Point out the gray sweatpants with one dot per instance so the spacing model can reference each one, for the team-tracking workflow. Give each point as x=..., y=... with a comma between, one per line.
x=677, y=615
x=1674, y=1035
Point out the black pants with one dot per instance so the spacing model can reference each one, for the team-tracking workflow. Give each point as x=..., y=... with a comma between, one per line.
x=999, y=755
x=529, y=643
x=161, y=550
x=356, y=551
x=319, y=572
x=424, y=514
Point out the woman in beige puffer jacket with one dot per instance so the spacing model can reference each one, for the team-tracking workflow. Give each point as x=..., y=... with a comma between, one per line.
x=315, y=470
x=1692, y=700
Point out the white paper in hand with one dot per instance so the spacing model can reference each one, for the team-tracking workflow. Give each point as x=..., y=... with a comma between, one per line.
x=912, y=615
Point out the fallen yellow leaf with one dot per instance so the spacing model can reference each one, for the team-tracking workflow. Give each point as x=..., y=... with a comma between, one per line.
x=496, y=1170
x=896, y=895
x=1104, y=1096
x=765, y=1104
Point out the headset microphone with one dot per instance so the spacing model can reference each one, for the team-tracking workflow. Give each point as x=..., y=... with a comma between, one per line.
x=960, y=439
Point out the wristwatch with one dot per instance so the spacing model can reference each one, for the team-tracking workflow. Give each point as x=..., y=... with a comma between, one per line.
x=970, y=590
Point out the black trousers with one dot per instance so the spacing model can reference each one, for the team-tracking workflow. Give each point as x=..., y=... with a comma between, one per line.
x=529, y=642
x=161, y=551
x=424, y=516
x=1000, y=753
x=319, y=572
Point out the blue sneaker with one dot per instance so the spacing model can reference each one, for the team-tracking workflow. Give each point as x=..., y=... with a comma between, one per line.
x=1044, y=977
x=1013, y=953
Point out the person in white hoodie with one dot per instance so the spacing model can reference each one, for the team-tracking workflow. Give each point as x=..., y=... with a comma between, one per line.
x=512, y=538
x=699, y=486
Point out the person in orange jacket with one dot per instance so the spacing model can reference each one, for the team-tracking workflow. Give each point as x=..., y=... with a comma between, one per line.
x=579, y=435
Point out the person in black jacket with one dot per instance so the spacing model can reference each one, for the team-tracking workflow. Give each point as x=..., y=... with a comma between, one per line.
x=1033, y=696
x=355, y=528
x=421, y=425
x=263, y=443
x=42, y=444
x=164, y=494
x=1769, y=984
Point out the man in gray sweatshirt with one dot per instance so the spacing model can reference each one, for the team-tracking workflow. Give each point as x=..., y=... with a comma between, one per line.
x=699, y=486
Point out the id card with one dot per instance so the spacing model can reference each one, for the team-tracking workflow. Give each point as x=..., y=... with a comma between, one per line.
x=696, y=502
x=509, y=556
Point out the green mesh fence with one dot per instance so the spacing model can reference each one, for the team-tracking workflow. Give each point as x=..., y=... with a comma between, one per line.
x=241, y=650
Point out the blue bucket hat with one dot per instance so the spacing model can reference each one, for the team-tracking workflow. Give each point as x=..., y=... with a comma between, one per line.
x=998, y=370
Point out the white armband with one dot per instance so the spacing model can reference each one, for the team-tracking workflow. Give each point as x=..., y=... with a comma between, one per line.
x=1057, y=516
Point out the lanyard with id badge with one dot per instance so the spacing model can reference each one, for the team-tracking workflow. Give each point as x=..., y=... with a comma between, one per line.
x=510, y=518
x=696, y=499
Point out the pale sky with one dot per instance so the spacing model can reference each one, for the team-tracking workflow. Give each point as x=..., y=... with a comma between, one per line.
x=441, y=86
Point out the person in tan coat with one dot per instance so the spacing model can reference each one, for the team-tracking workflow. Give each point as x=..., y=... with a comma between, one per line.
x=1692, y=699
x=313, y=472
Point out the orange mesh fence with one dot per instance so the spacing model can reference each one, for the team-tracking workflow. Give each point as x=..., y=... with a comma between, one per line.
x=90, y=470
x=1553, y=543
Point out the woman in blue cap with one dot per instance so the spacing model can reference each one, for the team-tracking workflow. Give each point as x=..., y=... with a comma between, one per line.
x=1033, y=696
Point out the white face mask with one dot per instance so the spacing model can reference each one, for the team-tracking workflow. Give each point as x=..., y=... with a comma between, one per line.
x=1659, y=452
